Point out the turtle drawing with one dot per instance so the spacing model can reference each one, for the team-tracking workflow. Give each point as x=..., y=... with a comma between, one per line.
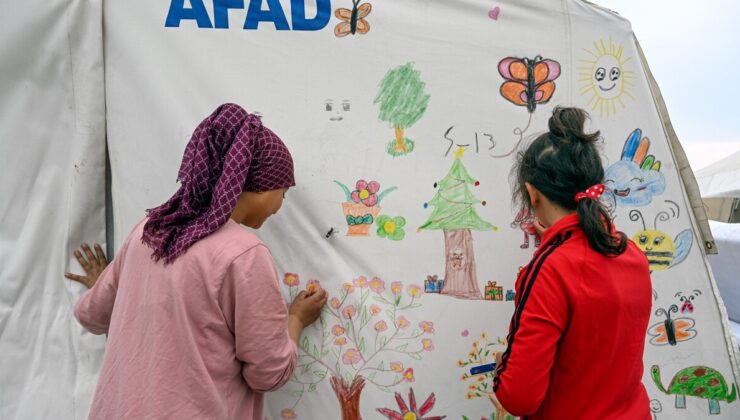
x=697, y=381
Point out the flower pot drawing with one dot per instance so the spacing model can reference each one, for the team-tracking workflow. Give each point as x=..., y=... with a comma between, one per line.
x=359, y=218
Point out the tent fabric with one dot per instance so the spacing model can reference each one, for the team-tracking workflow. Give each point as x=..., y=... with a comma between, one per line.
x=379, y=103
x=52, y=196
x=721, y=179
x=327, y=93
x=689, y=183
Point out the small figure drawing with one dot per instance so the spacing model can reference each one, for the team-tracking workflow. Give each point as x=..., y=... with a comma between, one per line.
x=337, y=110
x=687, y=301
x=410, y=410
x=525, y=221
x=527, y=82
x=671, y=331
x=402, y=102
x=655, y=407
x=636, y=178
x=353, y=21
x=697, y=381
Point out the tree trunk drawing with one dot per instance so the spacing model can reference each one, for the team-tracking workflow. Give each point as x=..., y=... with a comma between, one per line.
x=400, y=145
x=348, y=396
x=460, y=278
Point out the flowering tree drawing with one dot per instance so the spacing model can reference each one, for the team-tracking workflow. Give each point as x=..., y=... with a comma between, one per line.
x=402, y=103
x=483, y=353
x=454, y=213
x=365, y=337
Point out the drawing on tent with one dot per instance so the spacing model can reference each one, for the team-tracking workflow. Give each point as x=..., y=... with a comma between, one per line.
x=364, y=336
x=353, y=21
x=410, y=410
x=697, y=381
x=391, y=227
x=663, y=252
x=687, y=300
x=671, y=331
x=605, y=78
x=362, y=206
x=655, y=408
x=337, y=109
x=455, y=215
x=636, y=178
x=528, y=83
x=525, y=221
x=402, y=102
x=479, y=370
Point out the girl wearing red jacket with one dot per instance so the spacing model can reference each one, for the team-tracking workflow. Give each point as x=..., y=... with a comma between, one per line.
x=577, y=335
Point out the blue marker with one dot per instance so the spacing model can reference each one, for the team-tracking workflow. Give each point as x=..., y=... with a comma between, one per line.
x=483, y=369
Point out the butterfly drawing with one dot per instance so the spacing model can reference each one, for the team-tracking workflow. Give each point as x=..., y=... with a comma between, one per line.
x=529, y=82
x=353, y=21
x=671, y=331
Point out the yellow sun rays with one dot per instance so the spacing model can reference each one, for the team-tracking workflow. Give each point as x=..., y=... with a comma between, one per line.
x=604, y=78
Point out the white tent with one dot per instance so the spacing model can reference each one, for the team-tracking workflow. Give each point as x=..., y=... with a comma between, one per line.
x=721, y=179
x=719, y=184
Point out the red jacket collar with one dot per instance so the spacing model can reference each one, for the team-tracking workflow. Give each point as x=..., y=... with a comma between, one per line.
x=564, y=224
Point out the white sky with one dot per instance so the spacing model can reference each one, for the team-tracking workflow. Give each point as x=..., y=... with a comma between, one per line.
x=693, y=49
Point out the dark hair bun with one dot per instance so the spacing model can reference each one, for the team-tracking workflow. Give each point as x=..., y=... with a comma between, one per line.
x=566, y=124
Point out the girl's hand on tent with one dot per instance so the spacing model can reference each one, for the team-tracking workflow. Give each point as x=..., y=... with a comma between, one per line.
x=93, y=265
x=307, y=306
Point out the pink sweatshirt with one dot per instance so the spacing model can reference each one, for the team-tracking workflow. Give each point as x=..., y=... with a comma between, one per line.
x=201, y=338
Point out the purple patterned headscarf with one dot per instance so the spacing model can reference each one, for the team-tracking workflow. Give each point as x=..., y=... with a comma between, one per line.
x=229, y=152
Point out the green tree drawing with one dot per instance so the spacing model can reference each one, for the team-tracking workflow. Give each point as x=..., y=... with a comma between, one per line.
x=402, y=103
x=454, y=213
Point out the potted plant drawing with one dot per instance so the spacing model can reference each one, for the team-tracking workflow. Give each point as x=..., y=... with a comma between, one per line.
x=364, y=337
x=362, y=205
x=402, y=103
x=454, y=213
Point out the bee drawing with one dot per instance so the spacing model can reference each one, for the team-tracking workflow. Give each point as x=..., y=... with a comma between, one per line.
x=671, y=331
x=663, y=251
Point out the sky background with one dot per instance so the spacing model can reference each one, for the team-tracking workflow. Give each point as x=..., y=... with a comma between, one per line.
x=693, y=49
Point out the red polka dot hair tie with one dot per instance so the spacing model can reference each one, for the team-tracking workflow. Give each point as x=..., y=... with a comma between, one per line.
x=592, y=193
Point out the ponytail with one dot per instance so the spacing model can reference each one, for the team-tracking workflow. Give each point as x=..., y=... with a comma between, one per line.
x=599, y=229
x=562, y=163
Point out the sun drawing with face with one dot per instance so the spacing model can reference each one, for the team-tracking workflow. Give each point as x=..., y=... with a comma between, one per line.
x=604, y=78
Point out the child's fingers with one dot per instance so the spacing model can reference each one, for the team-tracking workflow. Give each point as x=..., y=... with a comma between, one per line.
x=90, y=256
x=75, y=277
x=83, y=262
x=100, y=254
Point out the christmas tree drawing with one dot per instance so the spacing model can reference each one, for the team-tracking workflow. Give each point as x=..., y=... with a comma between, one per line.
x=454, y=213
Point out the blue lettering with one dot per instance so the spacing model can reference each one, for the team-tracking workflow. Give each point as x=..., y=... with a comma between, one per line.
x=302, y=23
x=221, y=11
x=274, y=13
x=178, y=12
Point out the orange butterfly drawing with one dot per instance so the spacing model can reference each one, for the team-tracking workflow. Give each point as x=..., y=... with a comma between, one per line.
x=528, y=82
x=353, y=21
x=671, y=331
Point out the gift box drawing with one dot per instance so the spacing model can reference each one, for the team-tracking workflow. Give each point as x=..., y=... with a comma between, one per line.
x=493, y=292
x=433, y=284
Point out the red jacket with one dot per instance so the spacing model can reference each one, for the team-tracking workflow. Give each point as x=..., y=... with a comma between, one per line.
x=577, y=335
